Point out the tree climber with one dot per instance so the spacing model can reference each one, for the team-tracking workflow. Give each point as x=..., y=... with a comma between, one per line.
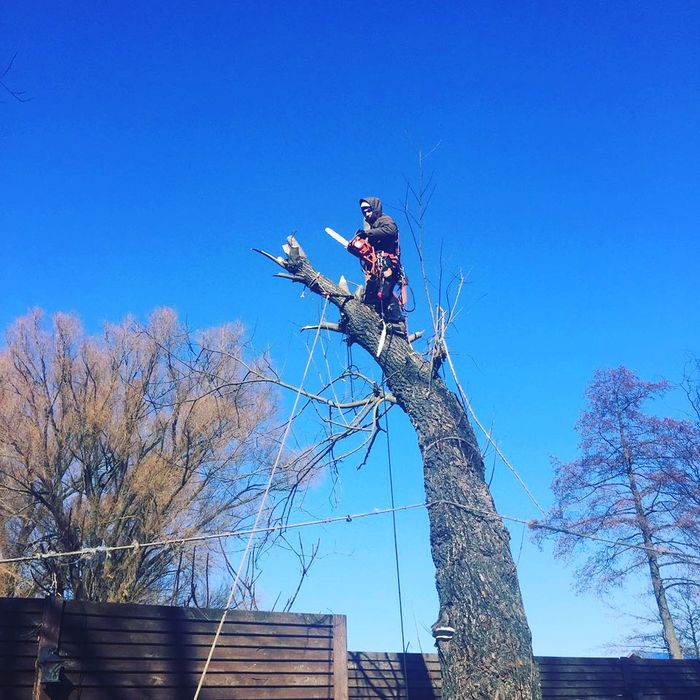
x=383, y=268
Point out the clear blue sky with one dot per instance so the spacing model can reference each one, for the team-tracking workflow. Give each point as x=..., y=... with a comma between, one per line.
x=163, y=140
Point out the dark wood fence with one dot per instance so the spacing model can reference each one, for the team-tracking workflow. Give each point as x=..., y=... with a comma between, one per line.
x=384, y=676
x=140, y=652
x=627, y=678
x=137, y=652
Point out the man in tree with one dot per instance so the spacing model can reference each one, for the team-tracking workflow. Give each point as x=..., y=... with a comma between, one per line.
x=489, y=655
x=383, y=267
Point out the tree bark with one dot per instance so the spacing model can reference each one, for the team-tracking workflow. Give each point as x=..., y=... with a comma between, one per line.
x=490, y=655
x=668, y=629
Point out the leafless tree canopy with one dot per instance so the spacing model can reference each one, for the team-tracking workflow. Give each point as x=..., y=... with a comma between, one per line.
x=636, y=484
x=138, y=435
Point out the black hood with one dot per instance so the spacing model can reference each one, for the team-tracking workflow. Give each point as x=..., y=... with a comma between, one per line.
x=375, y=203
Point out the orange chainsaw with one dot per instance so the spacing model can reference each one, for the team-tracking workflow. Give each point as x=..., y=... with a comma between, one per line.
x=359, y=246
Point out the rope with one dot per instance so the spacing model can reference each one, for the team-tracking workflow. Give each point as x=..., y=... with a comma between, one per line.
x=104, y=549
x=234, y=586
x=396, y=552
x=348, y=518
x=468, y=405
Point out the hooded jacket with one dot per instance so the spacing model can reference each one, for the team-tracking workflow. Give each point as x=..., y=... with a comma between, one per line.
x=382, y=233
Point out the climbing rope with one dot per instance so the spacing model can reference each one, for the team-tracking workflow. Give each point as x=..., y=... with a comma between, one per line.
x=263, y=500
x=396, y=550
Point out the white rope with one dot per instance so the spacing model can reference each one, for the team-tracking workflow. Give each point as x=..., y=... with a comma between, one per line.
x=234, y=586
x=467, y=403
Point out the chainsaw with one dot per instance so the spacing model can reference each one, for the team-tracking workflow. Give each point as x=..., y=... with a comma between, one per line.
x=359, y=246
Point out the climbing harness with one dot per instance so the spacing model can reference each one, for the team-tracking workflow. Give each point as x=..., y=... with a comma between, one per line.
x=376, y=265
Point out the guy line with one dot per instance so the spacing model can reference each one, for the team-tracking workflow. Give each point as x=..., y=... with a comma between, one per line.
x=350, y=517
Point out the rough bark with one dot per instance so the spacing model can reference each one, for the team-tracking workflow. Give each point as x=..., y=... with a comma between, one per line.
x=490, y=655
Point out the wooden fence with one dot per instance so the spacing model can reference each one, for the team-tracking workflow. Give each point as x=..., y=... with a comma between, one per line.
x=393, y=676
x=611, y=679
x=143, y=652
x=70, y=650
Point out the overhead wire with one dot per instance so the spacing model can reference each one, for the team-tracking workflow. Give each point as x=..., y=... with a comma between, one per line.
x=347, y=518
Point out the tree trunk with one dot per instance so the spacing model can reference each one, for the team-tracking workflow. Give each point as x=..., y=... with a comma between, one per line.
x=668, y=629
x=490, y=654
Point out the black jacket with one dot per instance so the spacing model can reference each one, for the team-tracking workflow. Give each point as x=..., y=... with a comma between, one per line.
x=382, y=233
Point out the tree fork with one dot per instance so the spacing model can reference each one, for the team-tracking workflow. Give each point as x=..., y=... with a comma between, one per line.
x=490, y=655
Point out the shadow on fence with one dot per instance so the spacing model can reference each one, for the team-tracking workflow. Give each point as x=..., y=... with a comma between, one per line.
x=393, y=676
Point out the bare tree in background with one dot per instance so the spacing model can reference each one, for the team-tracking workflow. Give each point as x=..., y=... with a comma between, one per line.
x=636, y=485
x=138, y=435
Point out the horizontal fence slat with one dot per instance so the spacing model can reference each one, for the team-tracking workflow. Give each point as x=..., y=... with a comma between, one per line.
x=381, y=685
x=394, y=675
x=391, y=665
x=104, y=637
x=23, y=605
x=585, y=661
x=687, y=695
x=17, y=678
x=187, y=693
x=414, y=692
x=233, y=666
x=117, y=680
x=126, y=652
x=359, y=677
x=18, y=647
x=581, y=692
x=146, y=612
x=188, y=626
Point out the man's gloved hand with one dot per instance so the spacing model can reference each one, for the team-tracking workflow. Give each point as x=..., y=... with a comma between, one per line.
x=361, y=233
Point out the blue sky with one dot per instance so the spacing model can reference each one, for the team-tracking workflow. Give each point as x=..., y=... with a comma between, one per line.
x=163, y=140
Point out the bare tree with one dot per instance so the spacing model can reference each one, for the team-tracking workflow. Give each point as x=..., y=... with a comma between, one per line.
x=490, y=652
x=139, y=435
x=633, y=486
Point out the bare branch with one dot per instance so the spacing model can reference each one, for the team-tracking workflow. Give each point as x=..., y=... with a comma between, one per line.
x=326, y=326
x=18, y=95
x=278, y=260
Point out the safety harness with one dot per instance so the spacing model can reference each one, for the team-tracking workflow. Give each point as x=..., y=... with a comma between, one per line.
x=381, y=264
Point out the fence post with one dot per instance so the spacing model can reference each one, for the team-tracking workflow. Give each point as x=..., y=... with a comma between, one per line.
x=340, y=658
x=48, y=666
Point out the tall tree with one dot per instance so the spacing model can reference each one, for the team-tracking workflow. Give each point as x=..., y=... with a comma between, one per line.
x=625, y=488
x=135, y=436
x=490, y=654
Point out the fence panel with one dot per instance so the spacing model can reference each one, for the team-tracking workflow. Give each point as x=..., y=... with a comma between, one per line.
x=109, y=651
x=393, y=676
